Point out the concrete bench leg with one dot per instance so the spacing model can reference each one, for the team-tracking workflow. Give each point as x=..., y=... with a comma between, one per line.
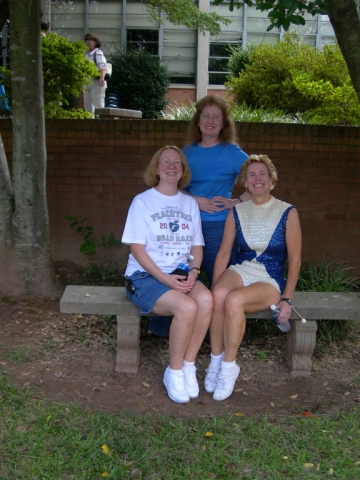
x=299, y=347
x=128, y=340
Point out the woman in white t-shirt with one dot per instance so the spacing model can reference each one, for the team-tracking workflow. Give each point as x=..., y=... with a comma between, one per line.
x=163, y=229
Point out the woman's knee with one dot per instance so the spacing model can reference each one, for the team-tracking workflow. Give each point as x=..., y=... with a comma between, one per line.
x=204, y=300
x=235, y=302
x=220, y=295
x=187, y=309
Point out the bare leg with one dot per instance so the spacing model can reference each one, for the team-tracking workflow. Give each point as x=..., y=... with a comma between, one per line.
x=231, y=301
x=184, y=309
x=253, y=298
x=191, y=320
x=228, y=282
x=204, y=302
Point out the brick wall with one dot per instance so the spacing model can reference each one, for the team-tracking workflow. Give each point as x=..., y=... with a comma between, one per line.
x=95, y=168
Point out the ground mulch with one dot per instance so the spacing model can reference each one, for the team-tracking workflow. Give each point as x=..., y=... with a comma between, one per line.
x=71, y=358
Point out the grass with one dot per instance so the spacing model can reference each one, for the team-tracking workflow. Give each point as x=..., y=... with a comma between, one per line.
x=41, y=439
x=240, y=113
x=326, y=277
x=21, y=354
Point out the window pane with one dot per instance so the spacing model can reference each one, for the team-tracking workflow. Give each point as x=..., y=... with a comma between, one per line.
x=217, y=78
x=219, y=50
x=218, y=64
x=144, y=40
x=183, y=79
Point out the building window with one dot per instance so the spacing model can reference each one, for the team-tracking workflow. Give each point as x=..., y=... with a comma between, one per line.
x=219, y=52
x=218, y=59
x=143, y=40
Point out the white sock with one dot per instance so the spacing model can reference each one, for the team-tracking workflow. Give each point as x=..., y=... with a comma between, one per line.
x=187, y=364
x=171, y=370
x=226, y=366
x=215, y=361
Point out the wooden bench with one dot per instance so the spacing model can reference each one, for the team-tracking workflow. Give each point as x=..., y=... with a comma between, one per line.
x=300, y=342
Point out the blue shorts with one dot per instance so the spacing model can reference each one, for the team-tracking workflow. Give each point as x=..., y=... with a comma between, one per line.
x=148, y=290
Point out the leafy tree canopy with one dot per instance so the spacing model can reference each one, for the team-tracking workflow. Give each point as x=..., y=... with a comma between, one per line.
x=282, y=13
x=186, y=12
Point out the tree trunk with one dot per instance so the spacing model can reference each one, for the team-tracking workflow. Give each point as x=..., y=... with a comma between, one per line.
x=25, y=260
x=346, y=24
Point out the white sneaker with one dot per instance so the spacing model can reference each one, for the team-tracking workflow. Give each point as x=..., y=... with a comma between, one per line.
x=211, y=379
x=191, y=383
x=175, y=386
x=226, y=383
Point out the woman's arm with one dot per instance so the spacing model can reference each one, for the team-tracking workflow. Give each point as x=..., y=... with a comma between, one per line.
x=224, y=253
x=293, y=244
x=224, y=203
x=102, y=76
x=100, y=61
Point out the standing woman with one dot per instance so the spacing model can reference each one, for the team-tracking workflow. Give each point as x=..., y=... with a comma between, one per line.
x=268, y=234
x=215, y=160
x=94, y=94
x=163, y=229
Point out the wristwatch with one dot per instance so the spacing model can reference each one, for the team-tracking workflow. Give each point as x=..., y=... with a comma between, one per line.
x=287, y=300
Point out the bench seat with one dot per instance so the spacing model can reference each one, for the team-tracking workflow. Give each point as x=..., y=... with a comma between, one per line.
x=300, y=342
x=114, y=113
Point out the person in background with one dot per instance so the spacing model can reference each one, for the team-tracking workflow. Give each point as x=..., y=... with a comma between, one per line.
x=163, y=229
x=268, y=234
x=94, y=94
x=45, y=27
x=215, y=159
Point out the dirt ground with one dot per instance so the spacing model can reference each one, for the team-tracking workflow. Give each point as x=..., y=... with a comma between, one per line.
x=70, y=358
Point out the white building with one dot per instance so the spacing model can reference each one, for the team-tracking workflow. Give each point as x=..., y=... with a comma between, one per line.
x=196, y=62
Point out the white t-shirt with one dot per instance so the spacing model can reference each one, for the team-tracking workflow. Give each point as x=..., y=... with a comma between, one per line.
x=168, y=226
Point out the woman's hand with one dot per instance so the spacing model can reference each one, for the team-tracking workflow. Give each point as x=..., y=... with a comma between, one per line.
x=208, y=206
x=285, y=312
x=223, y=203
x=179, y=283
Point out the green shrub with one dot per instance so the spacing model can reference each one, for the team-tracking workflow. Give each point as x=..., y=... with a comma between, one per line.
x=267, y=80
x=66, y=71
x=140, y=81
x=328, y=277
x=239, y=58
x=295, y=78
x=101, y=267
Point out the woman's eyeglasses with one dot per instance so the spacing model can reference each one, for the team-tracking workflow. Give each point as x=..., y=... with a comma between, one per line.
x=214, y=118
x=167, y=163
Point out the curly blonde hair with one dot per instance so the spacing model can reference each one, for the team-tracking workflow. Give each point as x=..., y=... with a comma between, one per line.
x=151, y=178
x=227, y=133
x=258, y=158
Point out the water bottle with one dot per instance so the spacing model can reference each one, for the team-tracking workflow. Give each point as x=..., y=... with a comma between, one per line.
x=284, y=327
x=181, y=269
x=182, y=266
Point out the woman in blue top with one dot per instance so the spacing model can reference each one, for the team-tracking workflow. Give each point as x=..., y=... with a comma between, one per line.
x=215, y=160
